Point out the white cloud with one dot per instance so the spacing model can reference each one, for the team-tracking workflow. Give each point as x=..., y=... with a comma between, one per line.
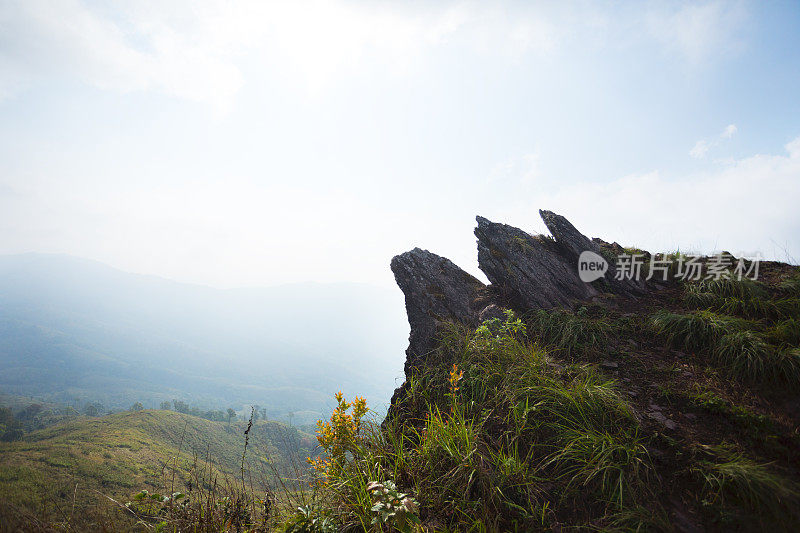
x=195, y=49
x=729, y=131
x=198, y=50
x=793, y=147
x=701, y=147
x=67, y=38
x=747, y=205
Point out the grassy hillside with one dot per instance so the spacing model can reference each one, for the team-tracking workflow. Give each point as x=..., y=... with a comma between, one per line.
x=677, y=411
x=674, y=411
x=82, y=462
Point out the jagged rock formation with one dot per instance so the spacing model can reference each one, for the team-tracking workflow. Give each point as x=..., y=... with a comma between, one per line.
x=540, y=272
x=574, y=242
x=526, y=272
x=436, y=291
x=533, y=272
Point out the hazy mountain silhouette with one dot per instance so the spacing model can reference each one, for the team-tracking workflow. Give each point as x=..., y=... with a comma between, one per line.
x=73, y=328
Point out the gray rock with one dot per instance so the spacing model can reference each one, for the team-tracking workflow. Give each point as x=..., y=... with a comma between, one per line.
x=491, y=311
x=575, y=242
x=566, y=235
x=540, y=272
x=659, y=417
x=532, y=272
x=436, y=291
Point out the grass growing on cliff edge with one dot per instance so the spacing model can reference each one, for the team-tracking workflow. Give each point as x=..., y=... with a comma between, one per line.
x=568, y=332
x=742, y=326
x=496, y=439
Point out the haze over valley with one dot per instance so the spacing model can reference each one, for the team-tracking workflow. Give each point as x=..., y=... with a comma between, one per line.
x=74, y=330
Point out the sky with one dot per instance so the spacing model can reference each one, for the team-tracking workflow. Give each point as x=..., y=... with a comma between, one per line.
x=252, y=143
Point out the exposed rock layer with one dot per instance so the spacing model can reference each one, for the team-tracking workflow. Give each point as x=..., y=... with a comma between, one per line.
x=526, y=272
x=436, y=291
x=534, y=272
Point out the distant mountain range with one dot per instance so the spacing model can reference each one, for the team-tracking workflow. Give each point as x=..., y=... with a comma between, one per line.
x=78, y=330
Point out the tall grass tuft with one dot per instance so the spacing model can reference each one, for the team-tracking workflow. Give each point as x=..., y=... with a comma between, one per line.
x=747, y=355
x=731, y=343
x=568, y=332
x=791, y=285
x=744, y=297
x=764, y=499
x=696, y=331
x=729, y=287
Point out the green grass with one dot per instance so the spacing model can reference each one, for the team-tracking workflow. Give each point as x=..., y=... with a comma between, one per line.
x=729, y=287
x=744, y=494
x=569, y=332
x=785, y=333
x=791, y=285
x=697, y=330
x=757, y=344
x=118, y=455
x=758, y=431
x=745, y=298
x=732, y=344
x=747, y=355
x=518, y=446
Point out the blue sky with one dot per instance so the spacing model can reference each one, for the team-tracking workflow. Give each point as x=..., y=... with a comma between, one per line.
x=255, y=143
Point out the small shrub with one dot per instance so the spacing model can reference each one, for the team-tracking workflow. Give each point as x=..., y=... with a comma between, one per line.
x=393, y=508
x=339, y=436
x=308, y=519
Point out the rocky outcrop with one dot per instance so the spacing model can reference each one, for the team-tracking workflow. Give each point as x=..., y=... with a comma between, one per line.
x=540, y=272
x=532, y=271
x=572, y=241
x=436, y=291
x=526, y=272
